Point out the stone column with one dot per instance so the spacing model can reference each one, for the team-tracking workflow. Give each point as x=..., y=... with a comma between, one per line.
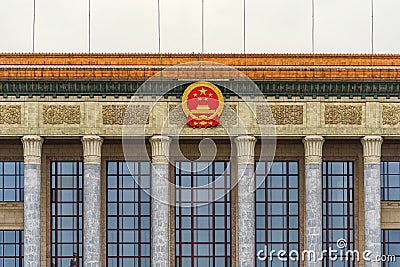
x=91, y=200
x=246, y=200
x=160, y=199
x=372, y=196
x=313, y=170
x=32, y=175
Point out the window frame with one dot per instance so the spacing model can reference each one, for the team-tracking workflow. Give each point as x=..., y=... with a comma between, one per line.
x=119, y=216
x=18, y=181
x=177, y=217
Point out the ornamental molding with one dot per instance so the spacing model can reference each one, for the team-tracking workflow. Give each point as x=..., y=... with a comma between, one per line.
x=313, y=149
x=160, y=149
x=125, y=114
x=391, y=114
x=92, y=149
x=343, y=114
x=245, y=145
x=280, y=114
x=372, y=149
x=10, y=114
x=32, y=146
x=61, y=114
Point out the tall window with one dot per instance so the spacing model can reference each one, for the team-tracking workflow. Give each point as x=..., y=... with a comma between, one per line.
x=202, y=224
x=277, y=210
x=66, y=213
x=11, y=248
x=391, y=246
x=337, y=209
x=11, y=181
x=128, y=214
x=390, y=180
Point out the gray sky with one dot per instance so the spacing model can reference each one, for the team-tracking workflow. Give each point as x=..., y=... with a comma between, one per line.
x=273, y=26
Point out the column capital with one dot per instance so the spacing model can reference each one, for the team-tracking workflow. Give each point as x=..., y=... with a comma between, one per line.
x=245, y=145
x=92, y=149
x=160, y=149
x=372, y=149
x=313, y=149
x=32, y=145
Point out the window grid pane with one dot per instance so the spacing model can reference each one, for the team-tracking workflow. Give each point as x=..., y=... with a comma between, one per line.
x=11, y=248
x=390, y=181
x=11, y=181
x=66, y=213
x=128, y=214
x=277, y=210
x=391, y=246
x=203, y=225
x=338, y=208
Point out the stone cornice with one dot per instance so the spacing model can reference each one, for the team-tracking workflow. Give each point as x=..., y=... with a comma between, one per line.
x=160, y=149
x=245, y=145
x=372, y=149
x=92, y=149
x=313, y=149
x=32, y=145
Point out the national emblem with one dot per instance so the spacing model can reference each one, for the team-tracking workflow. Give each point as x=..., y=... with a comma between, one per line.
x=202, y=103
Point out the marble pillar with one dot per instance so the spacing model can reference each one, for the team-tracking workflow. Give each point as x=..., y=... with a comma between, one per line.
x=246, y=200
x=32, y=174
x=313, y=174
x=160, y=198
x=372, y=196
x=91, y=200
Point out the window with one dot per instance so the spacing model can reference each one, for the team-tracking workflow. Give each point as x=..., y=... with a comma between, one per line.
x=128, y=214
x=11, y=248
x=277, y=210
x=66, y=213
x=11, y=181
x=337, y=209
x=203, y=224
x=390, y=180
x=391, y=246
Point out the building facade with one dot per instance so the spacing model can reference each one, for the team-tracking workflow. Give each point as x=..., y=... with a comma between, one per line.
x=99, y=167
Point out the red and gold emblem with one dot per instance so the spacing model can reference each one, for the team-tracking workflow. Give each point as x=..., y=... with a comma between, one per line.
x=202, y=103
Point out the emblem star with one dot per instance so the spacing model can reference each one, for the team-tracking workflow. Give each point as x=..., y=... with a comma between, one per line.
x=210, y=95
x=203, y=91
x=195, y=95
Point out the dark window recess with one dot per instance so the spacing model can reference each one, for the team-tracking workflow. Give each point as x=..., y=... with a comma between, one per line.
x=203, y=214
x=66, y=213
x=277, y=210
x=128, y=214
x=338, y=210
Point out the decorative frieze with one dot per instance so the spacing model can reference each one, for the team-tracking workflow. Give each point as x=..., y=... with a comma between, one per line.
x=125, y=115
x=229, y=116
x=391, y=114
x=280, y=114
x=61, y=114
x=176, y=115
x=343, y=114
x=10, y=114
